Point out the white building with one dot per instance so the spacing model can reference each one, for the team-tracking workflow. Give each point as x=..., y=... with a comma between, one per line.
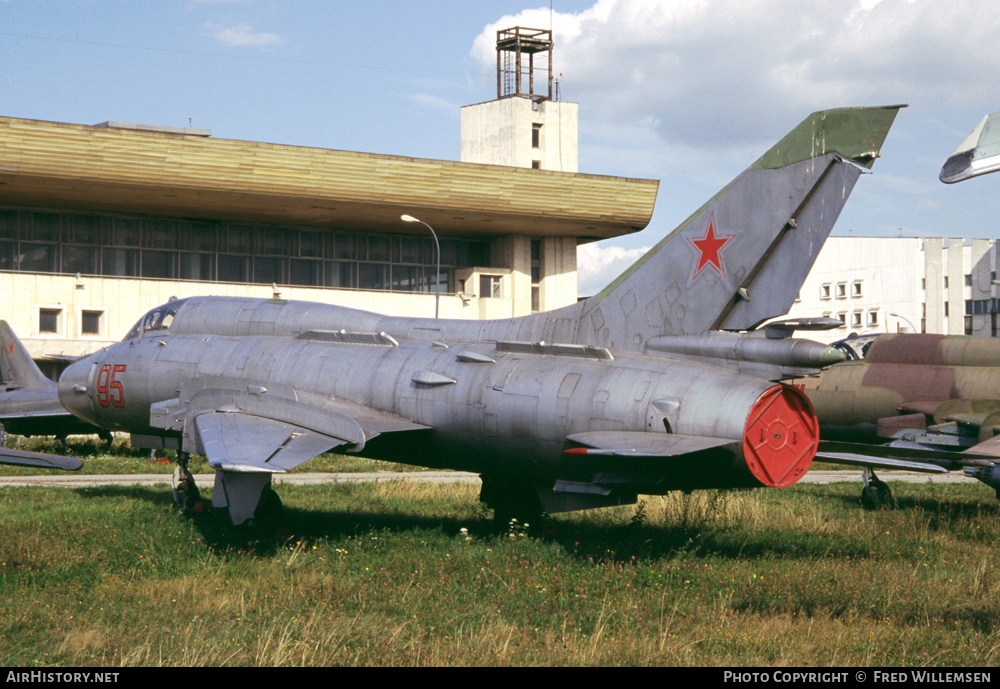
x=100, y=223
x=903, y=284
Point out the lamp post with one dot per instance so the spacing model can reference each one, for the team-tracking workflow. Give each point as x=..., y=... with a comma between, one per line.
x=904, y=318
x=993, y=308
x=437, y=249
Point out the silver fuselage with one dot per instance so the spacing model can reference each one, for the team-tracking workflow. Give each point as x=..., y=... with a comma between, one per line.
x=489, y=409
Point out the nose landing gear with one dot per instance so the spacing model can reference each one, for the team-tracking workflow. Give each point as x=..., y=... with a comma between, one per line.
x=187, y=498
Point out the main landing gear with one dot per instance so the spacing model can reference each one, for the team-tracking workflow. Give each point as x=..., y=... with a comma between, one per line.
x=876, y=493
x=248, y=498
x=515, y=505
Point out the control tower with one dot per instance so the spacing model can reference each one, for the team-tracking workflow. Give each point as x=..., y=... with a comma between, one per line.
x=527, y=125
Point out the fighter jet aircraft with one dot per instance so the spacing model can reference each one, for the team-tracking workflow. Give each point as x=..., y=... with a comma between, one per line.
x=29, y=405
x=933, y=399
x=978, y=155
x=570, y=409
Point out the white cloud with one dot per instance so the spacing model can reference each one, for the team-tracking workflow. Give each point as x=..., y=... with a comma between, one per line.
x=721, y=72
x=243, y=35
x=598, y=265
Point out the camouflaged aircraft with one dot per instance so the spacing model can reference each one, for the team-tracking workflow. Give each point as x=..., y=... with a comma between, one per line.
x=584, y=406
x=934, y=399
x=29, y=405
x=919, y=391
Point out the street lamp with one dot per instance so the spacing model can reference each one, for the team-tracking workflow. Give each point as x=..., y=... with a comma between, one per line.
x=904, y=318
x=437, y=248
x=993, y=308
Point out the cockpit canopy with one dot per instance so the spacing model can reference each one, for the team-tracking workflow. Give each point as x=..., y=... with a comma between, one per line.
x=156, y=320
x=856, y=347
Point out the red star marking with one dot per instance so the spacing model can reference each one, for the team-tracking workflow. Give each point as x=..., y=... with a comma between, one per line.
x=709, y=248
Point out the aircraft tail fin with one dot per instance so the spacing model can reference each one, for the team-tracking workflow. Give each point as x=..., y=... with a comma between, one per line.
x=741, y=258
x=17, y=368
x=978, y=155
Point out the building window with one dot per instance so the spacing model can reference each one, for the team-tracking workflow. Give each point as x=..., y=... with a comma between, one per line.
x=856, y=319
x=213, y=251
x=856, y=288
x=489, y=287
x=842, y=317
x=841, y=290
x=48, y=320
x=824, y=291
x=536, y=135
x=873, y=318
x=536, y=165
x=90, y=322
x=968, y=280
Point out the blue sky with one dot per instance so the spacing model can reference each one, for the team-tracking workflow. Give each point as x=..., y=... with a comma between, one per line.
x=689, y=92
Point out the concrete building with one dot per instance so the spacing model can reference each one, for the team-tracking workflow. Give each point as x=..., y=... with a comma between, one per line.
x=903, y=284
x=519, y=132
x=524, y=126
x=100, y=223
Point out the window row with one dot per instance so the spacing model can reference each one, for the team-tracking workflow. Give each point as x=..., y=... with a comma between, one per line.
x=44, y=228
x=52, y=321
x=856, y=319
x=829, y=290
x=977, y=307
x=173, y=265
x=226, y=252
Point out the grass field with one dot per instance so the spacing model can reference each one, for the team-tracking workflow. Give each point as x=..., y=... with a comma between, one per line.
x=410, y=574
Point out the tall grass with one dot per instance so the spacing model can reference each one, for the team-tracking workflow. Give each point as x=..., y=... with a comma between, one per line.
x=383, y=574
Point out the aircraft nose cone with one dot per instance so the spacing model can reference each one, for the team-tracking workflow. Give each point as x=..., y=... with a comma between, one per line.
x=73, y=392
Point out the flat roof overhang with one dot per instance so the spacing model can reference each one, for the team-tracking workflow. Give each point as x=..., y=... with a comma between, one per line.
x=133, y=170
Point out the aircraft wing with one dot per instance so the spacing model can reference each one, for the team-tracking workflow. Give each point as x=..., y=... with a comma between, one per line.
x=898, y=455
x=978, y=155
x=38, y=459
x=234, y=441
x=608, y=460
x=251, y=426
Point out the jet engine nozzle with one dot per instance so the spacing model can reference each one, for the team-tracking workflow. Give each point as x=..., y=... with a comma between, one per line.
x=781, y=437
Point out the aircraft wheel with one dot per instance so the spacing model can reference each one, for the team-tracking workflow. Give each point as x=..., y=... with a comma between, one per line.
x=269, y=509
x=876, y=495
x=516, y=507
